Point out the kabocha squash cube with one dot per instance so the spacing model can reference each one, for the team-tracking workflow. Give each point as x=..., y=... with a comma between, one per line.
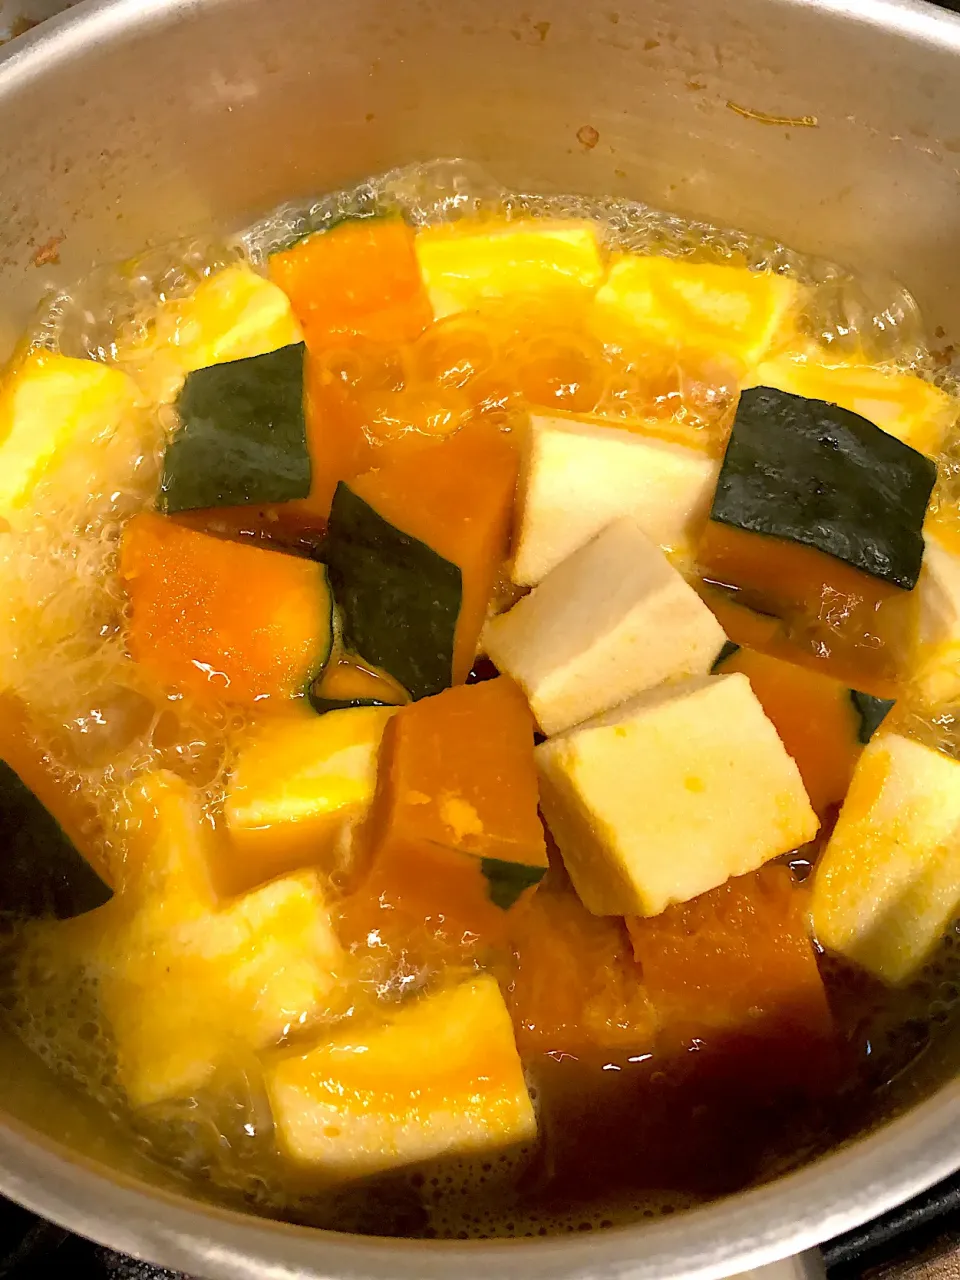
x=186, y=984
x=223, y=621
x=575, y=985
x=576, y=477
x=297, y=784
x=359, y=279
x=904, y=405
x=456, y=836
x=470, y=262
x=737, y=958
x=609, y=622
x=42, y=871
x=440, y=1076
x=233, y=314
x=668, y=795
x=414, y=548
x=734, y=971
x=888, y=884
x=705, y=306
x=53, y=408
x=813, y=473
x=242, y=436
x=822, y=723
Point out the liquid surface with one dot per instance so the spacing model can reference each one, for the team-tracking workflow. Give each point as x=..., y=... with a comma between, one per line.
x=104, y=725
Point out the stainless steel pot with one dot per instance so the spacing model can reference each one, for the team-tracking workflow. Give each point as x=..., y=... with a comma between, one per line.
x=128, y=122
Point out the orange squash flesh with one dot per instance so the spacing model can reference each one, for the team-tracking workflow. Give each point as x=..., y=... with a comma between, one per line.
x=737, y=960
x=575, y=985
x=24, y=749
x=458, y=499
x=223, y=621
x=855, y=623
x=361, y=278
x=457, y=787
x=815, y=718
x=345, y=439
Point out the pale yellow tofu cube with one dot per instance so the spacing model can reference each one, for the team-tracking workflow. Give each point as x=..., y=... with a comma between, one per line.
x=906, y=406
x=577, y=476
x=888, y=883
x=612, y=620
x=703, y=306
x=466, y=264
x=298, y=781
x=441, y=1076
x=670, y=794
x=937, y=648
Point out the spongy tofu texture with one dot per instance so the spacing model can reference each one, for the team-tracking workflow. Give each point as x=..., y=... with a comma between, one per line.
x=888, y=883
x=670, y=794
x=609, y=622
x=440, y=1076
x=576, y=477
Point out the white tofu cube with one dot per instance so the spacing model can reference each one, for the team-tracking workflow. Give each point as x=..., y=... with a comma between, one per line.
x=670, y=794
x=614, y=619
x=937, y=654
x=888, y=884
x=441, y=1076
x=577, y=477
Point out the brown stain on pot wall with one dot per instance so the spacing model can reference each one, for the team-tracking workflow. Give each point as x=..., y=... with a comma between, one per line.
x=49, y=253
x=588, y=136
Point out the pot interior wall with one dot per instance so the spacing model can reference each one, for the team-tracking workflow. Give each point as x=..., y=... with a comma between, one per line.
x=129, y=124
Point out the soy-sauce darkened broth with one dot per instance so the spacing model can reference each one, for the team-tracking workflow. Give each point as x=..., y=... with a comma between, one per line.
x=215, y=600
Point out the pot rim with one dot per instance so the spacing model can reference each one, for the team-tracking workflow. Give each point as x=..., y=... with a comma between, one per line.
x=795, y=1212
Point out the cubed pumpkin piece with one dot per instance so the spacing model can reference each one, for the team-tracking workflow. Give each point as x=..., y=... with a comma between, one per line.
x=576, y=477
x=440, y=1077
x=469, y=262
x=888, y=883
x=231, y=315
x=457, y=839
x=298, y=783
x=185, y=985
x=575, y=985
x=822, y=723
x=712, y=307
x=818, y=475
x=857, y=628
x=414, y=548
x=609, y=622
x=242, y=435
x=735, y=970
x=668, y=795
x=221, y=620
x=53, y=408
x=51, y=860
x=360, y=278
x=903, y=404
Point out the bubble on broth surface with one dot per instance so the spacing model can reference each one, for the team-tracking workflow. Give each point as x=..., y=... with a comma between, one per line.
x=109, y=724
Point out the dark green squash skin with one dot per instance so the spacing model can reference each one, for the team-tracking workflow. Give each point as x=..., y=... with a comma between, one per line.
x=243, y=436
x=42, y=874
x=727, y=651
x=506, y=881
x=813, y=473
x=871, y=712
x=398, y=599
